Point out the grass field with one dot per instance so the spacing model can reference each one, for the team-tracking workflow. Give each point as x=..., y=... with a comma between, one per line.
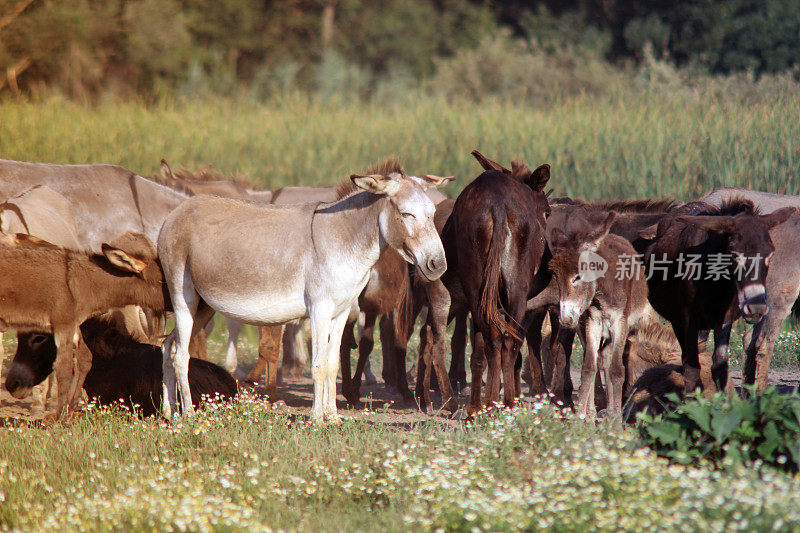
x=248, y=466
x=653, y=143
x=244, y=466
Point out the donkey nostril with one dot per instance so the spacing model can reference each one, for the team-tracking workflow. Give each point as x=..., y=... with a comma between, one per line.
x=431, y=264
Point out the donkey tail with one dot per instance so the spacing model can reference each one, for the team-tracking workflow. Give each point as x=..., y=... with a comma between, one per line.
x=403, y=319
x=490, y=285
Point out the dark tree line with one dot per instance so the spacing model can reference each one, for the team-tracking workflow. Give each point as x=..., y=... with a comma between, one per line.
x=85, y=47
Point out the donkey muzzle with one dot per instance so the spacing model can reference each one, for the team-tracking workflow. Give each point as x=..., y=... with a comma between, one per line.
x=19, y=381
x=432, y=265
x=753, y=303
x=568, y=314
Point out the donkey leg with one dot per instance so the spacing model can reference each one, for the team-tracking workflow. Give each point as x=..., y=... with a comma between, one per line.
x=366, y=338
x=477, y=365
x=63, y=367
x=508, y=361
x=719, y=360
x=350, y=393
x=185, y=307
x=562, y=353
x=449, y=402
x=689, y=337
x=388, y=348
x=765, y=345
x=231, y=357
x=536, y=384
x=321, y=317
x=295, y=354
x=759, y=343
x=269, y=347
x=422, y=390
x=365, y=344
x=202, y=315
x=458, y=347
x=549, y=338
x=615, y=369
x=332, y=366
x=436, y=345
x=494, y=348
x=83, y=364
x=592, y=334
x=169, y=402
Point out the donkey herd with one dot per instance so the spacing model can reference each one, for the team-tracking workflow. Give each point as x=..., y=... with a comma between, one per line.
x=94, y=257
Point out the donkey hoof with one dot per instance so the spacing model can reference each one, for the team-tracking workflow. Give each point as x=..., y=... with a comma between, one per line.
x=691, y=378
x=332, y=418
x=451, y=406
x=355, y=403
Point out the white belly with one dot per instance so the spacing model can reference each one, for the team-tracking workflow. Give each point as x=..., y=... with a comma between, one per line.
x=260, y=310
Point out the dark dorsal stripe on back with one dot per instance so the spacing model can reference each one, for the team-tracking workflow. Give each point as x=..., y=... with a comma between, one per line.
x=647, y=205
x=730, y=207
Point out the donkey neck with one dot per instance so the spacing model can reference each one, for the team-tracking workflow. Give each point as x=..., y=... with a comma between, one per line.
x=352, y=226
x=96, y=288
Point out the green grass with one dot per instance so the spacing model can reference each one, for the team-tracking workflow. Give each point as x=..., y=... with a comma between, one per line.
x=634, y=145
x=246, y=466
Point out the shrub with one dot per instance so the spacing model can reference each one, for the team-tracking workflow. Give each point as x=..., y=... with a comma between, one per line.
x=729, y=431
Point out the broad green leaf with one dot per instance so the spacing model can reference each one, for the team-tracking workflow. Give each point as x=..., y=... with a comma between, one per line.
x=722, y=424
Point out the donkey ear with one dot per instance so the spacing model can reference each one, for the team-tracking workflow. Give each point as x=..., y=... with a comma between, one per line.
x=376, y=183
x=166, y=172
x=120, y=259
x=488, y=164
x=649, y=232
x=429, y=181
x=778, y=217
x=558, y=238
x=539, y=178
x=596, y=236
x=719, y=224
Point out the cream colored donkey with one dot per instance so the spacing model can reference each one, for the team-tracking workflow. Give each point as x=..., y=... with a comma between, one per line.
x=267, y=265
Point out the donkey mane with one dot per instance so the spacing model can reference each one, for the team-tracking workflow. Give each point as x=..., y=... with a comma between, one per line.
x=390, y=165
x=659, y=337
x=732, y=206
x=647, y=205
x=204, y=173
x=564, y=259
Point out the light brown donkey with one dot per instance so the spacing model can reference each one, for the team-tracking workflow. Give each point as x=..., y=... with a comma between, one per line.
x=267, y=265
x=602, y=293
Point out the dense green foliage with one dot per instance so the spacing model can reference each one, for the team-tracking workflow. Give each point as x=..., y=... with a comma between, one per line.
x=737, y=430
x=367, y=49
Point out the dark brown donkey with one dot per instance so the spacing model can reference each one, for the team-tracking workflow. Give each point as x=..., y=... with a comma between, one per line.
x=783, y=280
x=732, y=248
x=603, y=297
x=122, y=368
x=497, y=233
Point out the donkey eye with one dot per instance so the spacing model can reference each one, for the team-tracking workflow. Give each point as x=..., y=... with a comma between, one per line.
x=408, y=215
x=575, y=279
x=37, y=339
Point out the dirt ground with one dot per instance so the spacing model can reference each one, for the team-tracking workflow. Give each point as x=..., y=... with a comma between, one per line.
x=378, y=404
